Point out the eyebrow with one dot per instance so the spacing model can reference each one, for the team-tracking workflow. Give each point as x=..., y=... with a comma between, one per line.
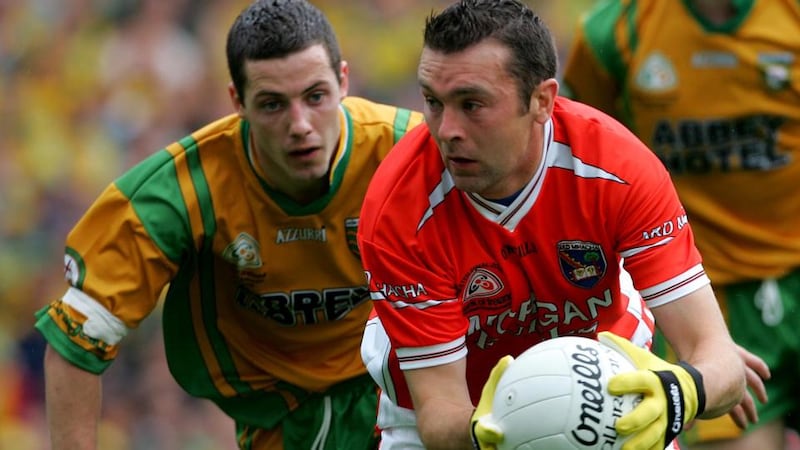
x=462, y=91
x=267, y=93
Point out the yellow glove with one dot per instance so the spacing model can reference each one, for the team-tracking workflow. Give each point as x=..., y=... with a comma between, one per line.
x=486, y=434
x=672, y=395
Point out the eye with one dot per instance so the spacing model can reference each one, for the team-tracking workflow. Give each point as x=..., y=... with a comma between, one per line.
x=471, y=106
x=432, y=104
x=316, y=98
x=270, y=105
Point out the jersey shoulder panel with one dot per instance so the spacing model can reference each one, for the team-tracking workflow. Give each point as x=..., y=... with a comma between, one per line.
x=414, y=164
x=595, y=138
x=171, y=187
x=381, y=124
x=608, y=30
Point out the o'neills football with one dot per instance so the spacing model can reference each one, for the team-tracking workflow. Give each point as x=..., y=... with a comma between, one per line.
x=554, y=397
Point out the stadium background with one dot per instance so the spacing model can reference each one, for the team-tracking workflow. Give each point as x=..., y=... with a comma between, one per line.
x=88, y=88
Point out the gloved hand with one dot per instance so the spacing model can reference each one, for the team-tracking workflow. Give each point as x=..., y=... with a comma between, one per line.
x=673, y=395
x=485, y=434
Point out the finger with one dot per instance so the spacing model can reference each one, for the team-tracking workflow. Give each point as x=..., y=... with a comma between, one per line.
x=487, y=432
x=739, y=416
x=748, y=406
x=756, y=384
x=637, y=381
x=643, y=416
x=651, y=439
x=754, y=362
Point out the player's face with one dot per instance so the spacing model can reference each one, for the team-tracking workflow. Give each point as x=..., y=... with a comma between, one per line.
x=488, y=143
x=292, y=104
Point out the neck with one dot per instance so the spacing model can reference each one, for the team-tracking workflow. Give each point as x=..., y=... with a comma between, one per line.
x=715, y=11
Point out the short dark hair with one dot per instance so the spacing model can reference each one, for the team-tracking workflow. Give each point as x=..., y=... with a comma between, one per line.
x=274, y=29
x=512, y=23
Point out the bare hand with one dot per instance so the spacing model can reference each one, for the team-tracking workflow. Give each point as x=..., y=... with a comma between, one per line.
x=756, y=372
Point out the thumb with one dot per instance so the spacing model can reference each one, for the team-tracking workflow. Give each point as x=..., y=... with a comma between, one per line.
x=488, y=432
x=621, y=345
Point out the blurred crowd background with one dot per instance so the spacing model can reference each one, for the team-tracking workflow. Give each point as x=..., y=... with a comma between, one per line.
x=87, y=89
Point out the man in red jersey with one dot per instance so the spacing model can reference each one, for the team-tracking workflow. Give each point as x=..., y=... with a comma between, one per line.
x=514, y=216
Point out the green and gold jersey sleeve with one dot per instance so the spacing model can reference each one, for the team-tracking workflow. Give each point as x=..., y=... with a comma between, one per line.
x=120, y=256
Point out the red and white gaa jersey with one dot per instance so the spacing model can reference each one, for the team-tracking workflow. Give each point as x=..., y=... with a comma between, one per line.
x=597, y=234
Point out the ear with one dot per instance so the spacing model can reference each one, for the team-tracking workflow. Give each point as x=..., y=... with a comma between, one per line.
x=237, y=103
x=344, y=77
x=543, y=99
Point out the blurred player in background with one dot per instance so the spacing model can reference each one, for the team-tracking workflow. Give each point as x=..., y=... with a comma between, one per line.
x=513, y=216
x=250, y=223
x=713, y=88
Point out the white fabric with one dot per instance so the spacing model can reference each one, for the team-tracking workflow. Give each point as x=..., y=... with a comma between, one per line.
x=100, y=323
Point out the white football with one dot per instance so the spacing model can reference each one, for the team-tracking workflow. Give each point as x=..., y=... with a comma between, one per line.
x=553, y=397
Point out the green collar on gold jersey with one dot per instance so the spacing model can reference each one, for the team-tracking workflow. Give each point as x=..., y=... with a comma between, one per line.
x=742, y=8
x=336, y=173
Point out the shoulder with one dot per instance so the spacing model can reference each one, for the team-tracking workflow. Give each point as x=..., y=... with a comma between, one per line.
x=598, y=139
x=378, y=118
x=415, y=150
x=400, y=188
x=217, y=140
x=609, y=29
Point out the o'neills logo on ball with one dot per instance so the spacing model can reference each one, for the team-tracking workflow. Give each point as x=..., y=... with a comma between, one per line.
x=591, y=428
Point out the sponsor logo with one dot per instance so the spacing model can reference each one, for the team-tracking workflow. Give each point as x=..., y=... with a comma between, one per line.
x=775, y=68
x=549, y=319
x=591, y=429
x=776, y=76
x=244, y=252
x=666, y=228
x=747, y=143
x=582, y=263
x=677, y=407
x=482, y=283
x=287, y=235
x=409, y=291
x=586, y=365
x=657, y=74
x=303, y=307
x=518, y=251
x=351, y=234
x=710, y=59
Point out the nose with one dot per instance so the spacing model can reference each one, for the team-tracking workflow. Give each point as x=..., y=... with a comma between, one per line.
x=449, y=125
x=299, y=122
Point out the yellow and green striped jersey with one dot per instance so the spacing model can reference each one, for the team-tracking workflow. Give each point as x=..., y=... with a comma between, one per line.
x=264, y=295
x=720, y=105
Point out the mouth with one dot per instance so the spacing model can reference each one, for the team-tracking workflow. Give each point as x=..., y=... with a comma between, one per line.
x=461, y=163
x=304, y=153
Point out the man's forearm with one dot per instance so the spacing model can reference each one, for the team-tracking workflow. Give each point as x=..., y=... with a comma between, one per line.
x=73, y=398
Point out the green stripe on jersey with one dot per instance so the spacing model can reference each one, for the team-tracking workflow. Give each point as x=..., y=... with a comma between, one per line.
x=155, y=195
x=401, y=119
x=599, y=30
x=179, y=312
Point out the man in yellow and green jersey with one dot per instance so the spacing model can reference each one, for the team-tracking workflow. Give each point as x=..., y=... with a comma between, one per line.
x=251, y=224
x=713, y=88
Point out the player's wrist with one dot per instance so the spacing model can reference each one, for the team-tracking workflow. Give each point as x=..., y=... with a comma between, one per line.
x=685, y=396
x=472, y=422
x=697, y=377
